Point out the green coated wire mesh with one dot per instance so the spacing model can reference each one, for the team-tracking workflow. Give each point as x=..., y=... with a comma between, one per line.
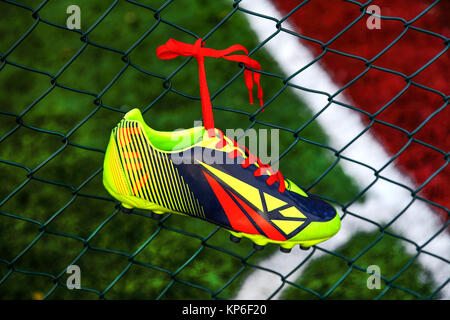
x=63, y=90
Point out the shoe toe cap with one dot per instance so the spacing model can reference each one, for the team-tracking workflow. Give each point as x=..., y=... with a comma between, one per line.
x=316, y=208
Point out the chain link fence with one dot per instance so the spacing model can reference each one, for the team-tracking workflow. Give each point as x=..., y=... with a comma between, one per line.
x=63, y=90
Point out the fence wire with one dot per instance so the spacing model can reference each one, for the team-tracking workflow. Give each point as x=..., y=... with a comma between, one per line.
x=124, y=62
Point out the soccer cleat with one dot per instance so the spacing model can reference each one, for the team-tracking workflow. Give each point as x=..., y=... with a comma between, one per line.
x=201, y=173
x=173, y=172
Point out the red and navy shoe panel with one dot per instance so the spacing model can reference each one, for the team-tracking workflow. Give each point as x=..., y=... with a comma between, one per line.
x=248, y=204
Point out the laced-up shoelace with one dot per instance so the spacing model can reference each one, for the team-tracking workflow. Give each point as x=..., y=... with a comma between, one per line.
x=250, y=159
x=174, y=48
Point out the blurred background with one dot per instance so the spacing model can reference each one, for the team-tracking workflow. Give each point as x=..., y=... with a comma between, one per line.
x=62, y=91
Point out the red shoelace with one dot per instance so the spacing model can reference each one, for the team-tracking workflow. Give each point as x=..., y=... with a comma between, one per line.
x=251, y=159
x=174, y=48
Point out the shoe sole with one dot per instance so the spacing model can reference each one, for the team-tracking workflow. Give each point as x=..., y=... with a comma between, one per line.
x=128, y=203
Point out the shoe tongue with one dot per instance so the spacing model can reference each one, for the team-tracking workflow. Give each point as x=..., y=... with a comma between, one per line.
x=207, y=136
x=212, y=141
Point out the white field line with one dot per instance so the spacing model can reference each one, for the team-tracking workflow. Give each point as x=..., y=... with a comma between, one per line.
x=384, y=200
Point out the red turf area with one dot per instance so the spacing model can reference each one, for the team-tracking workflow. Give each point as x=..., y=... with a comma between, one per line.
x=323, y=19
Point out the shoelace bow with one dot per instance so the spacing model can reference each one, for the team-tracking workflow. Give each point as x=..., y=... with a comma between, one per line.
x=174, y=48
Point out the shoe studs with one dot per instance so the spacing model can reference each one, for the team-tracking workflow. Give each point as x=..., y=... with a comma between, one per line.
x=124, y=210
x=156, y=216
x=285, y=250
x=258, y=247
x=234, y=239
x=284, y=247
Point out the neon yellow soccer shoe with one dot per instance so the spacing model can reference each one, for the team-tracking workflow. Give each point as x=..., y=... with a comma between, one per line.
x=175, y=172
x=201, y=173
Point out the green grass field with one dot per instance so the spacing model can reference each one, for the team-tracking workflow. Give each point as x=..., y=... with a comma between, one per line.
x=388, y=254
x=63, y=134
